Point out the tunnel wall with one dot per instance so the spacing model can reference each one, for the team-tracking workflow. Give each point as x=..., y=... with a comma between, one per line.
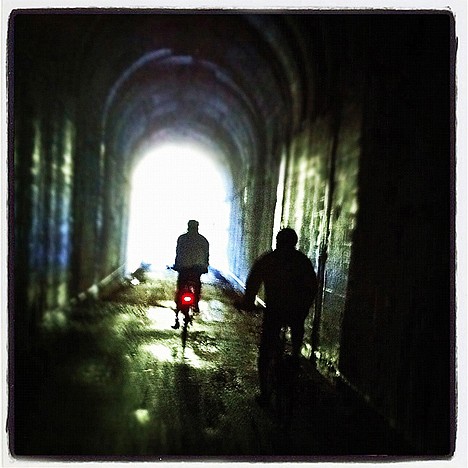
x=399, y=356
x=67, y=210
x=321, y=185
x=375, y=222
x=43, y=166
x=252, y=220
x=320, y=203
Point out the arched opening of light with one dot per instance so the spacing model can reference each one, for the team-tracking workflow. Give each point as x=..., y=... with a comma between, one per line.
x=171, y=184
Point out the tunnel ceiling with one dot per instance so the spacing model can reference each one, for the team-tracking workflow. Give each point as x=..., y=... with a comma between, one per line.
x=231, y=80
x=213, y=77
x=184, y=95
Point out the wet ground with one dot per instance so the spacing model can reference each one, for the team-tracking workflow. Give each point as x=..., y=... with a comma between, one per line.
x=114, y=380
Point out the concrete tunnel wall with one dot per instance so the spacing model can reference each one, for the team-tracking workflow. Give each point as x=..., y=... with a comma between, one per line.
x=355, y=109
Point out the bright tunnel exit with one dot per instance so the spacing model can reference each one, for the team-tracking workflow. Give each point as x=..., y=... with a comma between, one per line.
x=172, y=184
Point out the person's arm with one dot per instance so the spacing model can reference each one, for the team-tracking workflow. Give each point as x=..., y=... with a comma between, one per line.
x=312, y=281
x=207, y=255
x=252, y=285
x=177, y=258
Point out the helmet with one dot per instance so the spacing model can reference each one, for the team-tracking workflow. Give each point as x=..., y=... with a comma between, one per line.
x=287, y=237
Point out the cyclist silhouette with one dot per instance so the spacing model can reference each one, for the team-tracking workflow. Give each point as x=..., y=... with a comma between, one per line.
x=290, y=288
x=192, y=258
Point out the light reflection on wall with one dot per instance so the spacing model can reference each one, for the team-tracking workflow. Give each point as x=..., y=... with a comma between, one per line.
x=172, y=184
x=142, y=416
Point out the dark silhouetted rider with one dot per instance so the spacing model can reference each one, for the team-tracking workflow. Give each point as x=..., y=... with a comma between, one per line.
x=290, y=288
x=192, y=257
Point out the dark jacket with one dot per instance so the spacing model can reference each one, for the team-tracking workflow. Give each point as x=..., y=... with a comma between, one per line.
x=192, y=252
x=289, y=279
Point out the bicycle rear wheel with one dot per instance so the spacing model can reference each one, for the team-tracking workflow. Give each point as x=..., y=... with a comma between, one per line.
x=284, y=401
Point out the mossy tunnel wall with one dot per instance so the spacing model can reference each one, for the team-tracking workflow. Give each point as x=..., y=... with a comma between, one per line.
x=335, y=125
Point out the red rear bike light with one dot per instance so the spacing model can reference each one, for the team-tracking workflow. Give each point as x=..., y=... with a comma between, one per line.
x=188, y=299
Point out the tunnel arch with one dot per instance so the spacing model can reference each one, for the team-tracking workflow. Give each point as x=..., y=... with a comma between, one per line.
x=197, y=101
x=168, y=84
x=250, y=42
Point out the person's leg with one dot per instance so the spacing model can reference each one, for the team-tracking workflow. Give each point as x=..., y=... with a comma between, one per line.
x=194, y=275
x=197, y=290
x=297, y=336
x=268, y=346
x=181, y=280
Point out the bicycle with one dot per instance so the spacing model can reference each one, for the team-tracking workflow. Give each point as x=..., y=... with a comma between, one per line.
x=281, y=373
x=281, y=379
x=187, y=297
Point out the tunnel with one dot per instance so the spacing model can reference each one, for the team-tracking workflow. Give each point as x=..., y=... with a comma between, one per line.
x=339, y=126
